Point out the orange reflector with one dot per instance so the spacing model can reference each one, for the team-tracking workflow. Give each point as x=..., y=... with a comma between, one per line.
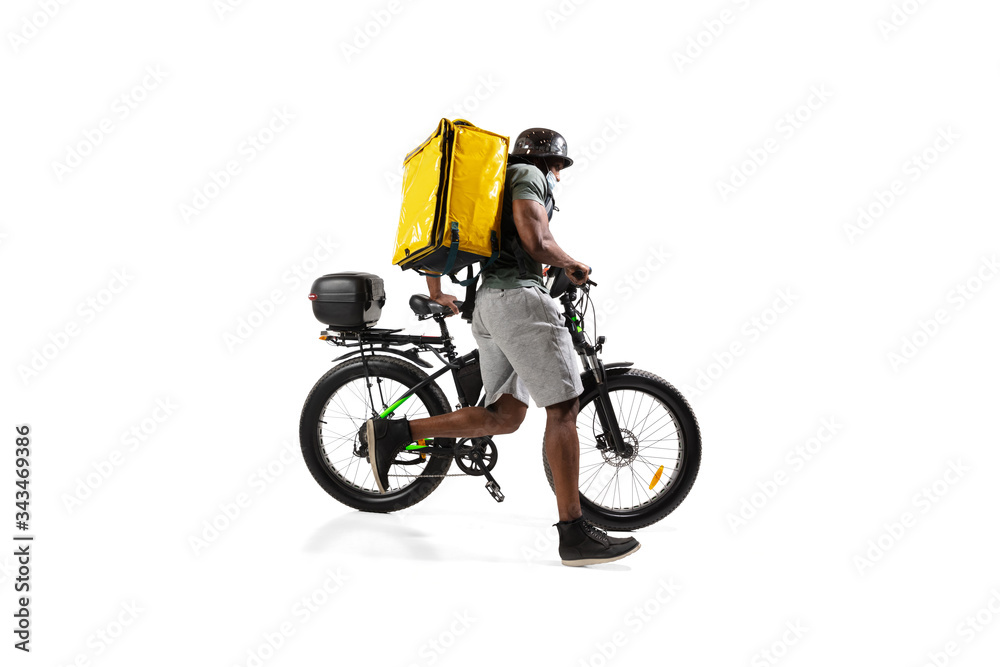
x=656, y=478
x=322, y=337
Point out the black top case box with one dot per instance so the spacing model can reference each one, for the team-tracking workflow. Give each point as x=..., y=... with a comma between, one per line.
x=348, y=301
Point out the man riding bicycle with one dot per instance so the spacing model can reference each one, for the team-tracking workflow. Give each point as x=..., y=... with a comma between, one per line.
x=524, y=349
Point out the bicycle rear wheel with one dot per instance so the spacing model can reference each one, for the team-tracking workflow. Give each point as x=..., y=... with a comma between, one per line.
x=649, y=482
x=335, y=411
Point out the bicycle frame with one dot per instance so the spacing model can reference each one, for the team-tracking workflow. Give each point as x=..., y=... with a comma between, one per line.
x=388, y=339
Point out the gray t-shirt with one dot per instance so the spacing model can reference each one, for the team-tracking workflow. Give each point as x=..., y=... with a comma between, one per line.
x=523, y=181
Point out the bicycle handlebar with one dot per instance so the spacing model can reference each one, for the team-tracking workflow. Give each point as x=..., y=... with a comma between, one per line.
x=579, y=274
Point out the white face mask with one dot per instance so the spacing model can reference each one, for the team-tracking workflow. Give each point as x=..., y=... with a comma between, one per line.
x=551, y=178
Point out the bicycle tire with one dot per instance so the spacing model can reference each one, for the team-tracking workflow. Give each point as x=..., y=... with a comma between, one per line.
x=687, y=473
x=310, y=439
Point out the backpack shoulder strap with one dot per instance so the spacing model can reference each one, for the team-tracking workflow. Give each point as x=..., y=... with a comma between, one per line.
x=469, y=305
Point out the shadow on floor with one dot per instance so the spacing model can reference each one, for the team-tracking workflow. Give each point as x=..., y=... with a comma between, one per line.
x=399, y=537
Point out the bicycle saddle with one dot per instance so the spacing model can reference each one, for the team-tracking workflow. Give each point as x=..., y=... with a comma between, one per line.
x=422, y=306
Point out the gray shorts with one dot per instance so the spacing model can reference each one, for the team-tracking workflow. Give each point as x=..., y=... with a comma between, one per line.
x=524, y=347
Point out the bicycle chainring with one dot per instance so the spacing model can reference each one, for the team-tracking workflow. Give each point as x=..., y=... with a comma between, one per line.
x=476, y=458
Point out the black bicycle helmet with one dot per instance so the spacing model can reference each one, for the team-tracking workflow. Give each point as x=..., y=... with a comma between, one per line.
x=540, y=142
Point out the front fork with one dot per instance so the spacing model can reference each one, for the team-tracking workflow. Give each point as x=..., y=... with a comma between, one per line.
x=611, y=432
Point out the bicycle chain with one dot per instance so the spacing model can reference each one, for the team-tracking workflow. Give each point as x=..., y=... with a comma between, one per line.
x=448, y=474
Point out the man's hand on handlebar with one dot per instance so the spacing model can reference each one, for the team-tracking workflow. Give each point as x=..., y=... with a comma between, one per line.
x=578, y=273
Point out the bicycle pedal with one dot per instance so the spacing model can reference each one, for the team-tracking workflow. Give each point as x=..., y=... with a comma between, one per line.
x=494, y=490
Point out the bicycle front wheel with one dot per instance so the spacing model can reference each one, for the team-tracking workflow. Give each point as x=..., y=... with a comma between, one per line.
x=648, y=481
x=333, y=415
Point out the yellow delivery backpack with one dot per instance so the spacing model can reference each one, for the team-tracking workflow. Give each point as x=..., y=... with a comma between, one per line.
x=452, y=200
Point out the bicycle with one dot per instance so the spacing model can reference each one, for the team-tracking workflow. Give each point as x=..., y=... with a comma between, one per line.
x=380, y=378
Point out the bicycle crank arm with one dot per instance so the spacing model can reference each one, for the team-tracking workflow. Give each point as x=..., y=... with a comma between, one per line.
x=493, y=487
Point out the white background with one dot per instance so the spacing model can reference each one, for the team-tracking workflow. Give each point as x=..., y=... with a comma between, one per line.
x=654, y=136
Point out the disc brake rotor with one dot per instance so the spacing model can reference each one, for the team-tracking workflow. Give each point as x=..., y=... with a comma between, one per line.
x=612, y=457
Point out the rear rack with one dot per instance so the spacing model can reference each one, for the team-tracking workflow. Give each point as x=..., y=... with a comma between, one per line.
x=356, y=334
x=385, y=336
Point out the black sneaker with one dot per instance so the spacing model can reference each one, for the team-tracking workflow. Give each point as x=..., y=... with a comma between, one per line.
x=384, y=438
x=583, y=543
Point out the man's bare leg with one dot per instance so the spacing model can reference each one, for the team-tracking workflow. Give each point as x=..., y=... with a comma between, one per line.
x=503, y=416
x=562, y=448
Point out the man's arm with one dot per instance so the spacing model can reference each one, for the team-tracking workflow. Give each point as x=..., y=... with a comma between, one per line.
x=437, y=296
x=533, y=227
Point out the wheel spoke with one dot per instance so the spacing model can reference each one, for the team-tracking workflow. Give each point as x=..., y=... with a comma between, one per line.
x=590, y=481
x=652, y=432
x=341, y=419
